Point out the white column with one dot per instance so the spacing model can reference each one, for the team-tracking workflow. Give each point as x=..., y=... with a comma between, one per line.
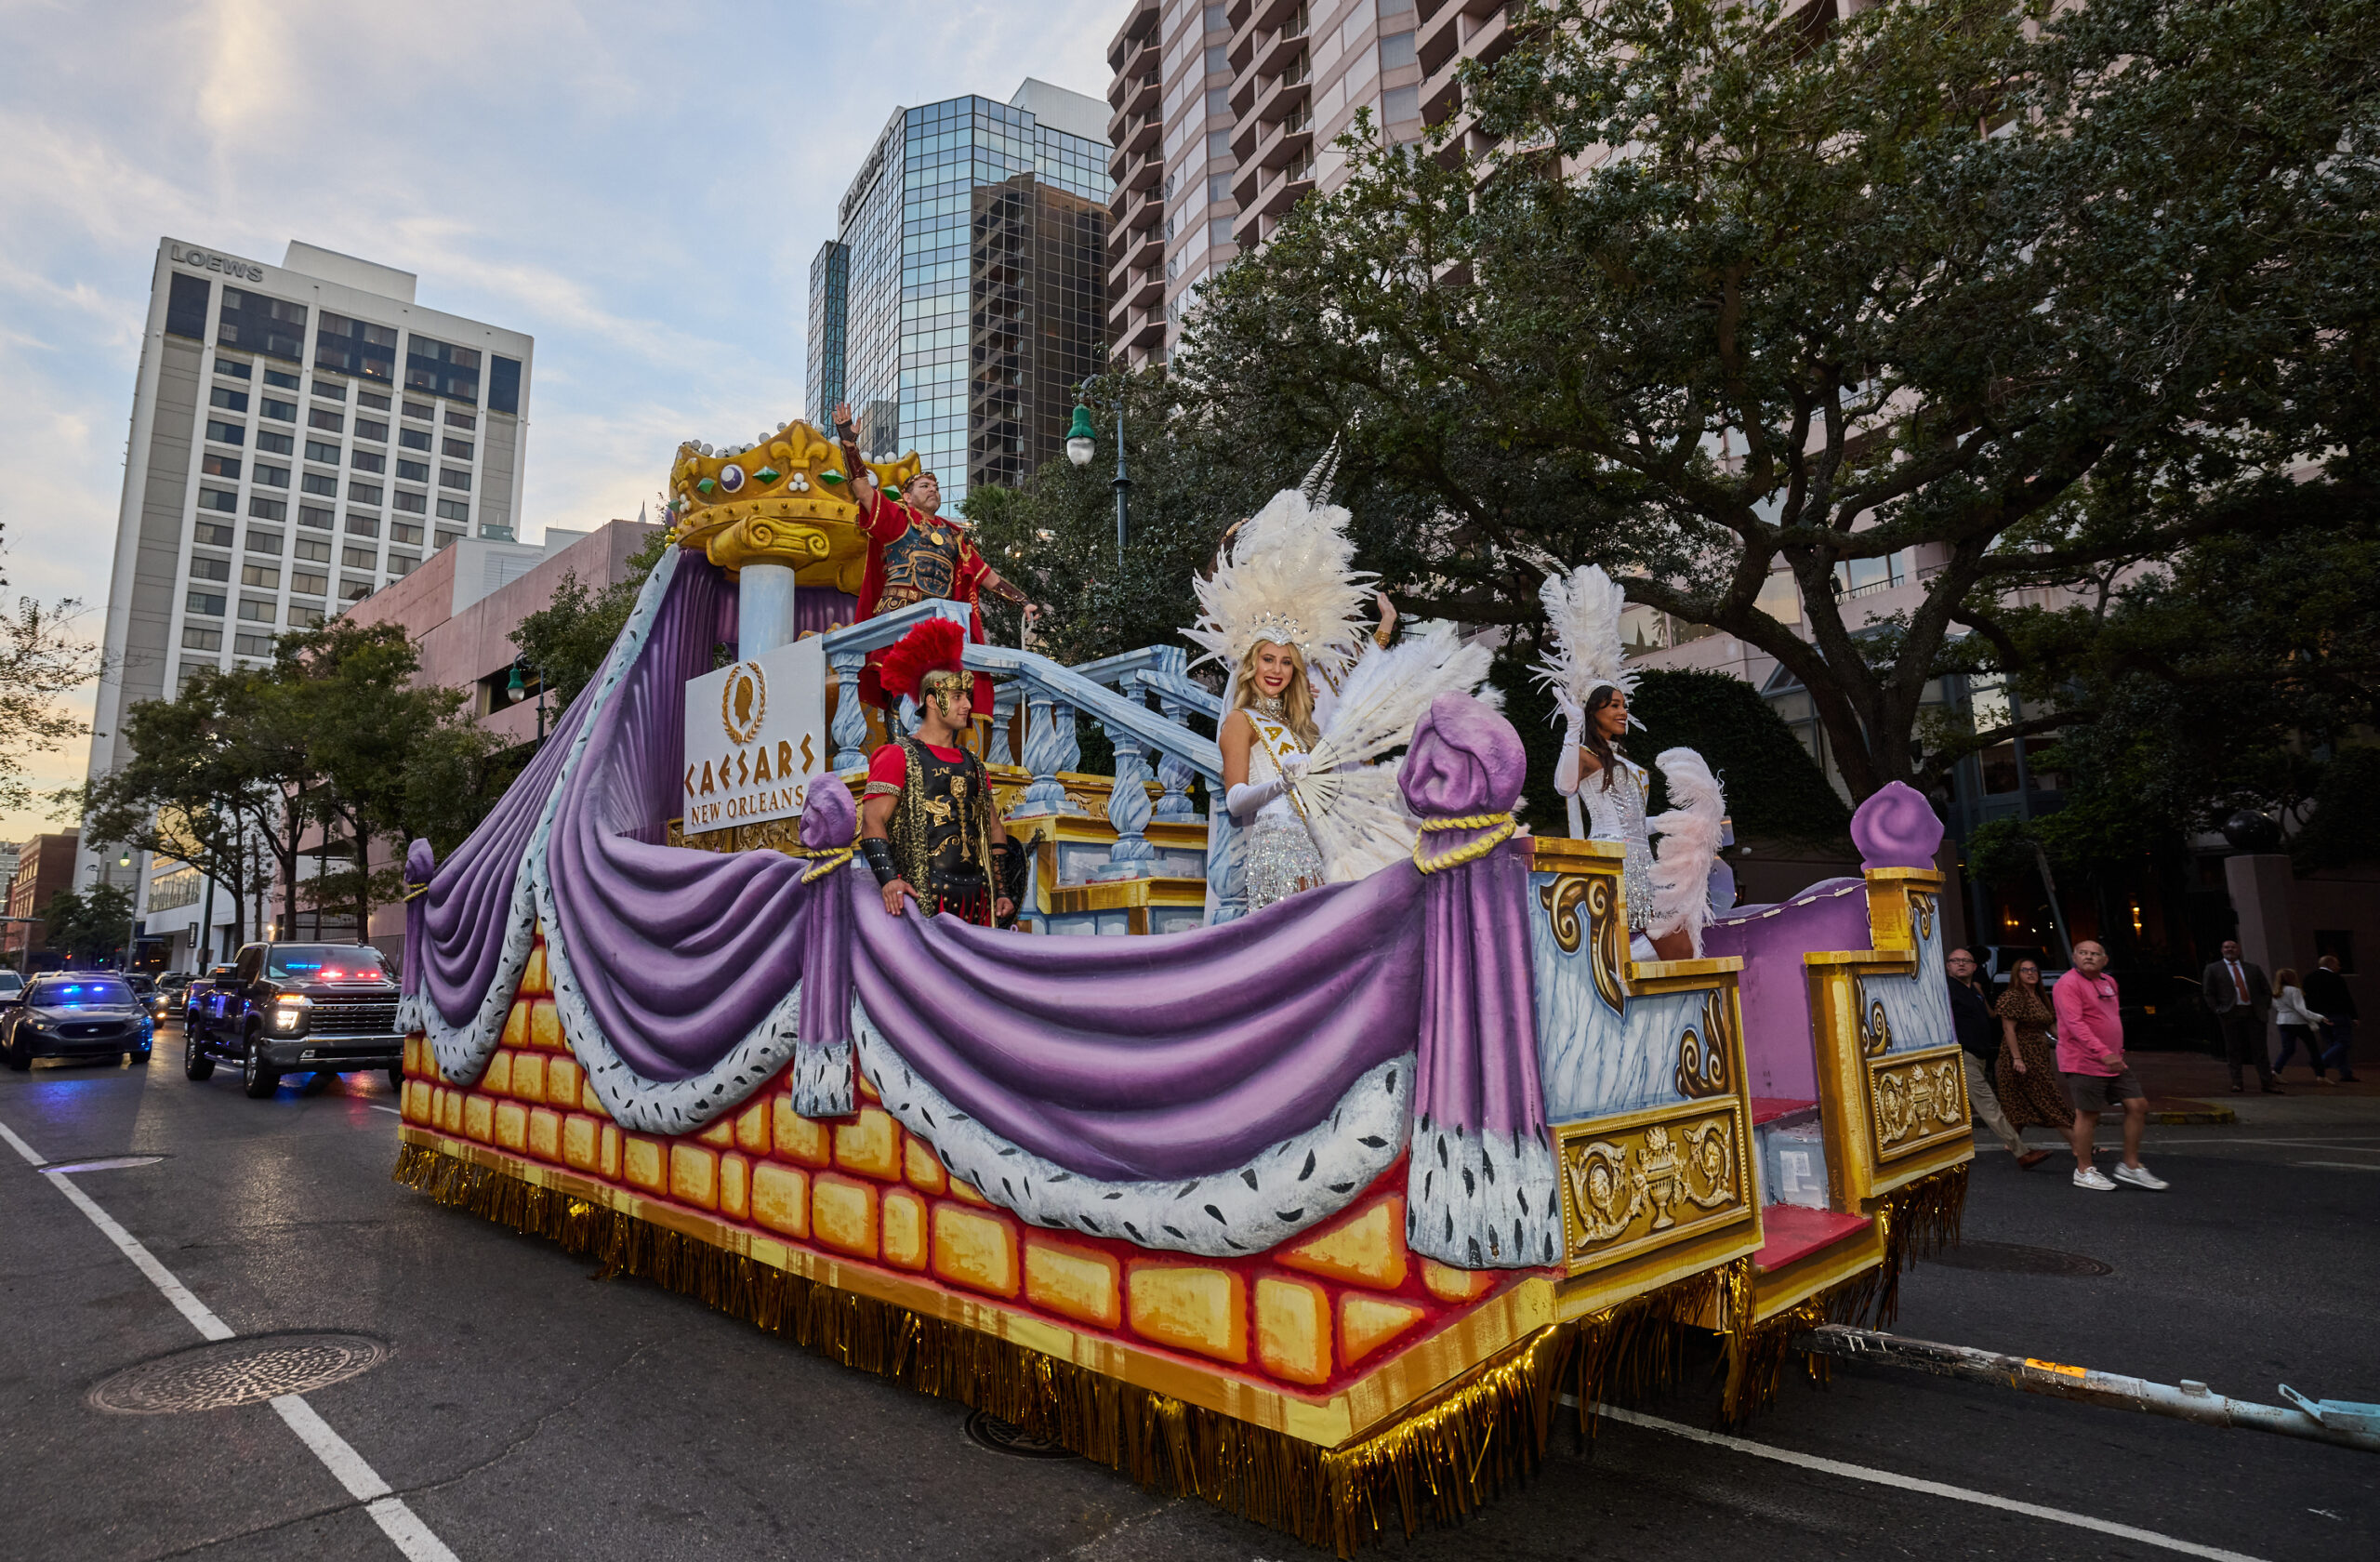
x=763, y=609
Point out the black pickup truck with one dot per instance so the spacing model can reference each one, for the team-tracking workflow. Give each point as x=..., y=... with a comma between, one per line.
x=297, y=1009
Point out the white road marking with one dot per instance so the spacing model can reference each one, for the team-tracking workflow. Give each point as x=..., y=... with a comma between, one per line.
x=2160, y=1141
x=202, y=1317
x=22, y=1148
x=377, y=1108
x=396, y=1520
x=2339, y=1165
x=1913, y=1483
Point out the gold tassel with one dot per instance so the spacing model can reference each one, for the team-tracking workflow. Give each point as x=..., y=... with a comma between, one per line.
x=1446, y=1459
x=1916, y=1222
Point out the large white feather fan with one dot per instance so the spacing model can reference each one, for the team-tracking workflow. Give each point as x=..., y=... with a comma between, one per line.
x=1582, y=609
x=1690, y=834
x=1354, y=809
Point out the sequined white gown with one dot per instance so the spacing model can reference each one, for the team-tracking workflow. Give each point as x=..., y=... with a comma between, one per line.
x=1280, y=857
x=1617, y=812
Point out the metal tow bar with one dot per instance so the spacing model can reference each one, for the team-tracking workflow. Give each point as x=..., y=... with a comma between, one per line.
x=2343, y=1421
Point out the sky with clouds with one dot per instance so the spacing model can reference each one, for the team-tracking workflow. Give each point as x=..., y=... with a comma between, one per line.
x=639, y=187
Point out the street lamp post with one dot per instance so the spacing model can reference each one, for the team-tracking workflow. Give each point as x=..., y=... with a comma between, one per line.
x=132, y=931
x=517, y=688
x=1082, y=442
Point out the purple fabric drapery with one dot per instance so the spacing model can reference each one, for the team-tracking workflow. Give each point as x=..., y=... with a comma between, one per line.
x=454, y=931
x=679, y=954
x=1125, y=1060
x=1137, y=1059
x=1478, y=1061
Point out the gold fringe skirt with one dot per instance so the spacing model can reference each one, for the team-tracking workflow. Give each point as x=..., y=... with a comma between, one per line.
x=1447, y=1457
x=1915, y=1221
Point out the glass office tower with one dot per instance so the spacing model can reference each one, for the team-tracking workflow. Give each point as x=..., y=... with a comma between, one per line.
x=964, y=296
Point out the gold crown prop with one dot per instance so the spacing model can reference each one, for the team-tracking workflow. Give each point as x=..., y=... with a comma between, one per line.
x=782, y=499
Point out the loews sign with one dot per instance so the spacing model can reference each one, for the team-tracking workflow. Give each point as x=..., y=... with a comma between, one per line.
x=208, y=260
x=756, y=733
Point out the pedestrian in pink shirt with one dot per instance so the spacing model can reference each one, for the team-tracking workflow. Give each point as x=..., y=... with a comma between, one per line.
x=2090, y=1054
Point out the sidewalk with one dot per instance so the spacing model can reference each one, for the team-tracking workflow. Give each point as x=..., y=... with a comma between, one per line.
x=2182, y=1086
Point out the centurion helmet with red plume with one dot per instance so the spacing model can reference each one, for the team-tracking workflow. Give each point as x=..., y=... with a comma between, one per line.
x=924, y=657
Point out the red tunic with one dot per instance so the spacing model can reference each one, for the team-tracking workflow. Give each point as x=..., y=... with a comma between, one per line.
x=890, y=764
x=884, y=519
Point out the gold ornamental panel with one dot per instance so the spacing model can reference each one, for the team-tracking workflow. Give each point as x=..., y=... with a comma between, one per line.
x=1705, y=1053
x=1875, y=1027
x=1585, y=909
x=1916, y=1101
x=1647, y=1180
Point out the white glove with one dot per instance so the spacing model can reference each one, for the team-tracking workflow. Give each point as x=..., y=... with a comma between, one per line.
x=1293, y=766
x=1249, y=796
x=1566, y=769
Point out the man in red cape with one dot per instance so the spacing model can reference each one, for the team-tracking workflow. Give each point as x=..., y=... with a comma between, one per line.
x=913, y=553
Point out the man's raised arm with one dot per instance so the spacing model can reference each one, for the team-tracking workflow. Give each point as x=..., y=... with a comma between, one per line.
x=861, y=478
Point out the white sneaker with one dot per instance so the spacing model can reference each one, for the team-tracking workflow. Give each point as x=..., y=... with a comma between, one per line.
x=2093, y=1178
x=2141, y=1177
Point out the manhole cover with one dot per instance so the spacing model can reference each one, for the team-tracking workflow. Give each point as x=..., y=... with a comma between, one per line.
x=985, y=1430
x=244, y=1372
x=105, y=1163
x=2012, y=1258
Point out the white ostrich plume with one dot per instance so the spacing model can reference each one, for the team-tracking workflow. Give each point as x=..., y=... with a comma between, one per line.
x=1690, y=833
x=1582, y=609
x=1289, y=577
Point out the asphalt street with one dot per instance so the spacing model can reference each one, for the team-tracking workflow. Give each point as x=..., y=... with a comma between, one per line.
x=526, y=1410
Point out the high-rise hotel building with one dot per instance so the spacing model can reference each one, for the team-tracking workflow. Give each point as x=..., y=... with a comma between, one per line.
x=302, y=435
x=1225, y=112
x=963, y=297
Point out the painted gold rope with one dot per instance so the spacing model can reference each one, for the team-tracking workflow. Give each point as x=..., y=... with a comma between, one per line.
x=831, y=859
x=1444, y=1461
x=1501, y=832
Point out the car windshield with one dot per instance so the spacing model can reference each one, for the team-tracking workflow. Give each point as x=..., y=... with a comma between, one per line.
x=142, y=984
x=10, y=981
x=326, y=963
x=76, y=991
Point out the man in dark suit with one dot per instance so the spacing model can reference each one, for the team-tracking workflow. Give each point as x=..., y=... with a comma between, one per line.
x=2326, y=994
x=2240, y=995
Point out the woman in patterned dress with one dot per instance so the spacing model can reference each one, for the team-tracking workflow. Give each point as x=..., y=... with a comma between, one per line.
x=2027, y=1077
x=1265, y=742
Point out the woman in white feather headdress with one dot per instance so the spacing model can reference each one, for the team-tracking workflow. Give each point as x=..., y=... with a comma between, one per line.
x=1668, y=899
x=1282, y=610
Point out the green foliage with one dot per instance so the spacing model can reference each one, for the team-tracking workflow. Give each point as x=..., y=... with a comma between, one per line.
x=1055, y=538
x=2053, y=299
x=87, y=924
x=571, y=635
x=2218, y=680
x=1775, y=791
x=395, y=760
x=333, y=738
x=2345, y=826
x=43, y=656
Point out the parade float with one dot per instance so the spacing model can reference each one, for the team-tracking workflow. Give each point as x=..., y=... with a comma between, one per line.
x=1315, y=1213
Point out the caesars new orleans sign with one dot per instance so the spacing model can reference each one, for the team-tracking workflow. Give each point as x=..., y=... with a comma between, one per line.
x=756, y=733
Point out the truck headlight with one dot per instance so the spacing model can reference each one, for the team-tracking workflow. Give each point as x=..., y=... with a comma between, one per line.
x=289, y=1019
